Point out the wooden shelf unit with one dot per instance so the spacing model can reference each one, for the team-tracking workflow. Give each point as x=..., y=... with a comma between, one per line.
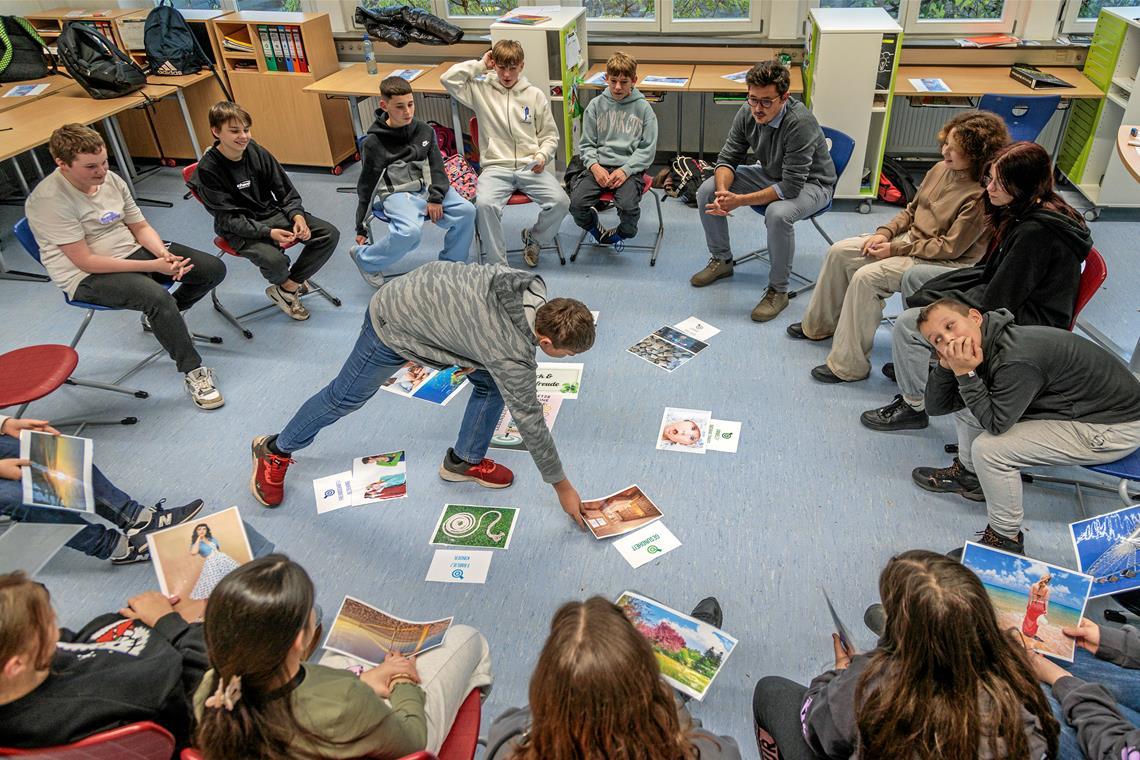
x=49, y=24
x=297, y=127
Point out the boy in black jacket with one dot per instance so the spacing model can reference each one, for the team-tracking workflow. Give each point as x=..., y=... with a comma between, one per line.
x=1024, y=396
x=258, y=211
x=401, y=175
x=59, y=686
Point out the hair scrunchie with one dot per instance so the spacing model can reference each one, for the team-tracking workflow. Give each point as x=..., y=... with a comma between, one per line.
x=226, y=695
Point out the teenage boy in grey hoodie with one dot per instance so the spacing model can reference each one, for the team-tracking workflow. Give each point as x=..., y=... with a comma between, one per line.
x=619, y=141
x=517, y=139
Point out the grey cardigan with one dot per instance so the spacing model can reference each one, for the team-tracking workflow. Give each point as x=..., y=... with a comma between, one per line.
x=446, y=313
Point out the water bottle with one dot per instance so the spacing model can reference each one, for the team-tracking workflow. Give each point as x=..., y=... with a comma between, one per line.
x=370, y=56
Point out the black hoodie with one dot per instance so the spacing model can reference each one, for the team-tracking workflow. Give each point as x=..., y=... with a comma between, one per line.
x=1034, y=273
x=1029, y=372
x=383, y=145
x=241, y=195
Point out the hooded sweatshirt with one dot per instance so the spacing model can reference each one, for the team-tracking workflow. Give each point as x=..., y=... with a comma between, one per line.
x=515, y=125
x=619, y=133
x=383, y=146
x=1035, y=272
x=241, y=194
x=1036, y=373
x=946, y=220
x=447, y=313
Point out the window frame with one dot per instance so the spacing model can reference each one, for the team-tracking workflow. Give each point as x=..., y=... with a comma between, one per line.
x=1012, y=11
x=595, y=24
x=1071, y=23
x=758, y=12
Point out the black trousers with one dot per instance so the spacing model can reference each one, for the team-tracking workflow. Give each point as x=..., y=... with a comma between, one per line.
x=146, y=292
x=274, y=262
x=627, y=200
x=776, y=706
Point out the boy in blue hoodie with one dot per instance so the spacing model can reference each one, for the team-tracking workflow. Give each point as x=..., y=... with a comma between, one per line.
x=619, y=141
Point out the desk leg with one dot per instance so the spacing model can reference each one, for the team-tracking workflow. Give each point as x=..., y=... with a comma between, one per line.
x=112, y=124
x=36, y=162
x=119, y=148
x=680, y=112
x=701, y=140
x=189, y=124
x=457, y=125
x=357, y=131
x=20, y=176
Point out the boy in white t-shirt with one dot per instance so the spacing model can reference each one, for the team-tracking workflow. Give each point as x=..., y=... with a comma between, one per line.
x=98, y=248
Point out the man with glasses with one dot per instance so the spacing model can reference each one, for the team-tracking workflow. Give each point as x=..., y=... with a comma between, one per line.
x=793, y=177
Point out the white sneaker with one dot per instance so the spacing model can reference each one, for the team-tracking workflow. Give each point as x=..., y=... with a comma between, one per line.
x=200, y=385
x=531, y=249
x=375, y=279
x=290, y=303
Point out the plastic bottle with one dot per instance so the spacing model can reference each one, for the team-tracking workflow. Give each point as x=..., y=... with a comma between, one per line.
x=370, y=56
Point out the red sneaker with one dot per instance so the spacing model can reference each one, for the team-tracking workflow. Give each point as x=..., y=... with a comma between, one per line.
x=268, y=480
x=487, y=473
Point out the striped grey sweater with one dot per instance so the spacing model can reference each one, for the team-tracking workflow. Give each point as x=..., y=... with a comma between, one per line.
x=446, y=313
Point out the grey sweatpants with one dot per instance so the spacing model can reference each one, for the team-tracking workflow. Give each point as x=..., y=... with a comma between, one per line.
x=999, y=459
x=910, y=352
x=496, y=183
x=779, y=218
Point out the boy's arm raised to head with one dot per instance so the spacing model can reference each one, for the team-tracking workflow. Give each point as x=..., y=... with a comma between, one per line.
x=645, y=149
x=459, y=80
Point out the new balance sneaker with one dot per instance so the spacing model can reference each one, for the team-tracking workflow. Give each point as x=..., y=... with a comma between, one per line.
x=990, y=537
x=200, y=386
x=770, y=305
x=897, y=415
x=155, y=518
x=137, y=551
x=267, y=483
x=953, y=479
x=531, y=248
x=374, y=279
x=716, y=269
x=290, y=303
x=487, y=473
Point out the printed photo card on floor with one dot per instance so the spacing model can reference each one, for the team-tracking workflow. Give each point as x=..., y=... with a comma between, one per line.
x=697, y=328
x=462, y=566
x=433, y=385
x=646, y=544
x=684, y=430
x=661, y=353
x=60, y=474
x=1106, y=547
x=619, y=513
x=1032, y=597
x=724, y=435
x=333, y=491
x=559, y=379
x=379, y=477
x=464, y=525
x=506, y=434
x=369, y=633
x=192, y=558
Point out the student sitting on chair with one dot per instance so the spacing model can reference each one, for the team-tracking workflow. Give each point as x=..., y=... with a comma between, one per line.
x=597, y=692
x=133, y=521
x=59, y=686
x=1022, y=396
x=793, y=176
x=619, y=141
x=517, y=139
x=99, y=249
x=401, y=174
x=258, y=211
x=260, y=699
x=1033, y=270
x=945, y=223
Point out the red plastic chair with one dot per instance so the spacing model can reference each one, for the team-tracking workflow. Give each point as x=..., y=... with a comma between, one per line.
x=1093, y=275
x=225, y=248
x=518, y=198
x=137, y=741
x=608, y=197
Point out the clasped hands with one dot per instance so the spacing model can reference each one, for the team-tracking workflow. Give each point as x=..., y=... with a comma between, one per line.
x=300, y=232
x=609, y=180
x=723, y=202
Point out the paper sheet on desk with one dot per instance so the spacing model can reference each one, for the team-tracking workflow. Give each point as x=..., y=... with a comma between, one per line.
x=25, y=90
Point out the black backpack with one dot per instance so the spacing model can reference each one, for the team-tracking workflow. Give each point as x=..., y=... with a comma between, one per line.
x=684, y=178
x=171, y=47
x=23, y=54
x=96, y=64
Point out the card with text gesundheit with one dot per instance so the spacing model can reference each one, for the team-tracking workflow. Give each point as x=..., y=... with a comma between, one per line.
x=646, y=544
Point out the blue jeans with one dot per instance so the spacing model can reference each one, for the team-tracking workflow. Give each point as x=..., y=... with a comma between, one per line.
x=1122, y=683
x=406, y=214
x=110, y=503
x=367, y=367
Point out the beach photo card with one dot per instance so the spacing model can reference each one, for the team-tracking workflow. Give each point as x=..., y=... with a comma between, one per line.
x=559, y=378
x=698, y=328
x=192, y=558
x=1032, y=597
x=620, y=512
x=678, y=338
x=685, y=430
x=368, y=633
x=333, y=491
x=690, y=652
x=1106, y=547
x=506, y=434
x=465, y=525
x=60, y=473
x=407, y=379
x=661, y=353
x=724, y=435
x=379, y=477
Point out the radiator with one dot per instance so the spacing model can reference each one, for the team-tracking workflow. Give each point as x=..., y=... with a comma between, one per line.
x=914, y=129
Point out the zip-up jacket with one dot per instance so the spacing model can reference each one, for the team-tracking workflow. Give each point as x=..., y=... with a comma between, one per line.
x=383, y=146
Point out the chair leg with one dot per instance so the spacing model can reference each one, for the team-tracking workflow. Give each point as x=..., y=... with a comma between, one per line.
x=228, y=315
x=578, y=246
x=320, y=289
x=215, y=339
x=106, y=387
x=660, y=230
x=82, y=327
x=83, y=423
x=558, y=249
x=1121, y=489
x=139, y=366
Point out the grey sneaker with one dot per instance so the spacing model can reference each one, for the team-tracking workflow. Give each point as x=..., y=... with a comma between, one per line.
x=290, y=303
x=200, y=385
x=716, y=269
x=770, y=305
x=531, y=249
x=138, y=550
x=375, y=279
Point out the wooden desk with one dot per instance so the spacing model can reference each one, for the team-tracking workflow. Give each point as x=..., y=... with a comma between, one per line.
x=55, y=83
x=710, y=78
x=430, y=82
x=354, y=82
x=644, y=70
x=1129, y=154
x=974, y=81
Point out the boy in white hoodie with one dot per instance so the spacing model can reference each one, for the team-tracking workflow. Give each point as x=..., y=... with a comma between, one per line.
x=517, y=139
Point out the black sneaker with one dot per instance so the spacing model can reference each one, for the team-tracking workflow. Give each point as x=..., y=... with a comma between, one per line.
x=158, y=518
x=897, y=415
x=875, y=618
x=953, y=479
x=708, y=611
x=889, y=371
x=137, y=551
x=990, y=537
x=796, y=331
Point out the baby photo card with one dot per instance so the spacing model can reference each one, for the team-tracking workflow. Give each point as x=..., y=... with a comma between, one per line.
x=684, y=430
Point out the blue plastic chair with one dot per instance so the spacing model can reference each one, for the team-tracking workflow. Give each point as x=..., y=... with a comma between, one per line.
x=840, y=147
x=1024, y=115
x=24, y=234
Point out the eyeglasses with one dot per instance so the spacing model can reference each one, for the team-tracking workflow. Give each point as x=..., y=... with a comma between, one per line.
x=763, y=102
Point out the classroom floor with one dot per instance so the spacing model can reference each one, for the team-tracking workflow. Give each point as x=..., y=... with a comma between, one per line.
x=811, y=501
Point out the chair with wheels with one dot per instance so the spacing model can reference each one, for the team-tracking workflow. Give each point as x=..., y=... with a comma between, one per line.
x=23, y=232
x=608, y=197
x=840, y=147
x=518, y=198
x=144, y=740
x=1024, y=116
x=224, y=248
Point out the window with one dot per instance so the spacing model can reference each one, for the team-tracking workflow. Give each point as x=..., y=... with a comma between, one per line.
x=890, y=6
x=483, y=8
x=276, y=6
x=1081, y=15
x=956, y=17
x=960, y=10
x=422, y=4
x=729, y=16
x=198, y=5
x=621, y=15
